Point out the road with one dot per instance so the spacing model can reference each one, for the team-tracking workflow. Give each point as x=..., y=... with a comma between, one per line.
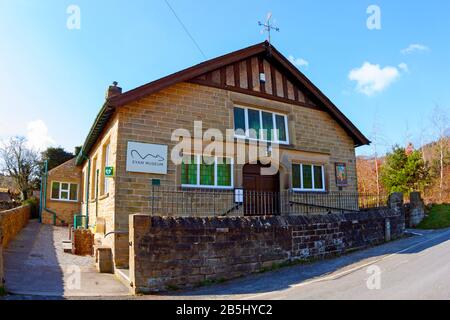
x=417, y=267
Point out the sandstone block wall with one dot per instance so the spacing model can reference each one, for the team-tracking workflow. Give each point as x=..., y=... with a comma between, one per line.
x=315, y=137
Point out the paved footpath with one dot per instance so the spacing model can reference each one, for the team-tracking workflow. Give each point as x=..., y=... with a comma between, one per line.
x=35, y=265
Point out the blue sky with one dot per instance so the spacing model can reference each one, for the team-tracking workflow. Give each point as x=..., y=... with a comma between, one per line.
x=53, y=80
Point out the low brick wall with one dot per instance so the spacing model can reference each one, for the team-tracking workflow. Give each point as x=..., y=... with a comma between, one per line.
x=182, y=252
x=82, y=242
x=13, y=221
x=2, y=278
x=8, y=205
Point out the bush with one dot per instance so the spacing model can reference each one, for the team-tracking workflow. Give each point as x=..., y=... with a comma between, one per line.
x=437, y=218
x=34, y=204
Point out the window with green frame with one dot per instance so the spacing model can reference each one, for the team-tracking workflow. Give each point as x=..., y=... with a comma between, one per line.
x=308, y=177
x=189, y=170
x=261, y=125
x=209, y=172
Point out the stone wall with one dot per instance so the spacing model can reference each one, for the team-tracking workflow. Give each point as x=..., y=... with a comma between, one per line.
x=2, y=278
x=415, y=210
x=183, y=252
x=104, y=206
x=12, y=222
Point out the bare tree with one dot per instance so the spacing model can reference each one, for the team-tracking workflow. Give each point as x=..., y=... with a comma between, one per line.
x=422, y=138
x=377, y=139
x=441, y=123
x=20, y=163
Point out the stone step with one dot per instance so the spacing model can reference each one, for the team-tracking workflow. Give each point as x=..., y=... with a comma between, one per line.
x=67, y=245
x=124, y=276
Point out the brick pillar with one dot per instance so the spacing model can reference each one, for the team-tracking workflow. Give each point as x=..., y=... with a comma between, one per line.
x=417, y=209
x=2, y=280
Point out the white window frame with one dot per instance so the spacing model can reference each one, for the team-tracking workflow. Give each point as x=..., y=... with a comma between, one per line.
x=247, y=129
x=215, y=186
x=302, y=189
x=69, y=184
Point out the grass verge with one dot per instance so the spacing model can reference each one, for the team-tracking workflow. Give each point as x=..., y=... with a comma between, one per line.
x=437, y=218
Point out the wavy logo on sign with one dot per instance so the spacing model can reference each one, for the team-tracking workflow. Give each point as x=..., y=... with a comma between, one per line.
x=135, y=153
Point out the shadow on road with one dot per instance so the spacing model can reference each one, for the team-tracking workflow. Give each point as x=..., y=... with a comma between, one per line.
x=31, y=263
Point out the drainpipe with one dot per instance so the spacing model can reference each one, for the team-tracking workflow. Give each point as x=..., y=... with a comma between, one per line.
x=87, y=187
x=44, y=195
x=40, y=201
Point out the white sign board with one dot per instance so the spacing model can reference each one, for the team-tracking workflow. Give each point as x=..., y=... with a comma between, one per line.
x=146, y=158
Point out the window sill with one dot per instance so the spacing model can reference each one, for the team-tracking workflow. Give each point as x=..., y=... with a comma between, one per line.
x=192, y=187
x=247, y=140
x=65, y=201
x=309, y=191
x=103, y=197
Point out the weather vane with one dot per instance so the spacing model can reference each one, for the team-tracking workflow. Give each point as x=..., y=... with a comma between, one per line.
x=268, y=26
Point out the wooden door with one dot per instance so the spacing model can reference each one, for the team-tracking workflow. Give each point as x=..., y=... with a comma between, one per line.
x=261, y=193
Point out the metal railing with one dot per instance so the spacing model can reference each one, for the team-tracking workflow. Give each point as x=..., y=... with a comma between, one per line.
x=177, y=201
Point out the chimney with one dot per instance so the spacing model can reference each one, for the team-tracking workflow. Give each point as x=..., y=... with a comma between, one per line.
x=113, y=90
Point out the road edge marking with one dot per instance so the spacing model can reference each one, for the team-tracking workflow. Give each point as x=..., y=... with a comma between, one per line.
x=344, y=273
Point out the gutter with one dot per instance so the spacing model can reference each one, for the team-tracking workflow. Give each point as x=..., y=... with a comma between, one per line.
x=99, y=124
x=83, y=157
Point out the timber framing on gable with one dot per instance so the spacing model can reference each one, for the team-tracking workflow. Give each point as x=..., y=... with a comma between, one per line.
x=244, y=77
x=238, y=71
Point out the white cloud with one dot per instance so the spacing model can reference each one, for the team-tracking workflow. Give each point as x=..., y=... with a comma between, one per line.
x=299, y=62
x=404, y=67
x=372, y=79
x=37, y=135
x=415, y=48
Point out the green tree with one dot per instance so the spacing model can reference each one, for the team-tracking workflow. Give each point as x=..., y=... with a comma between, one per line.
x=55, y=156
x=404, y=172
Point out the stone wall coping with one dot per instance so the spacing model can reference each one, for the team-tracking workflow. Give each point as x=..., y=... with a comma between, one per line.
x=258, y=222
x=14, y=209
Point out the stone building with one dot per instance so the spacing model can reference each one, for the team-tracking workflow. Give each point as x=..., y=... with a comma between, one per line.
x=126, y=155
